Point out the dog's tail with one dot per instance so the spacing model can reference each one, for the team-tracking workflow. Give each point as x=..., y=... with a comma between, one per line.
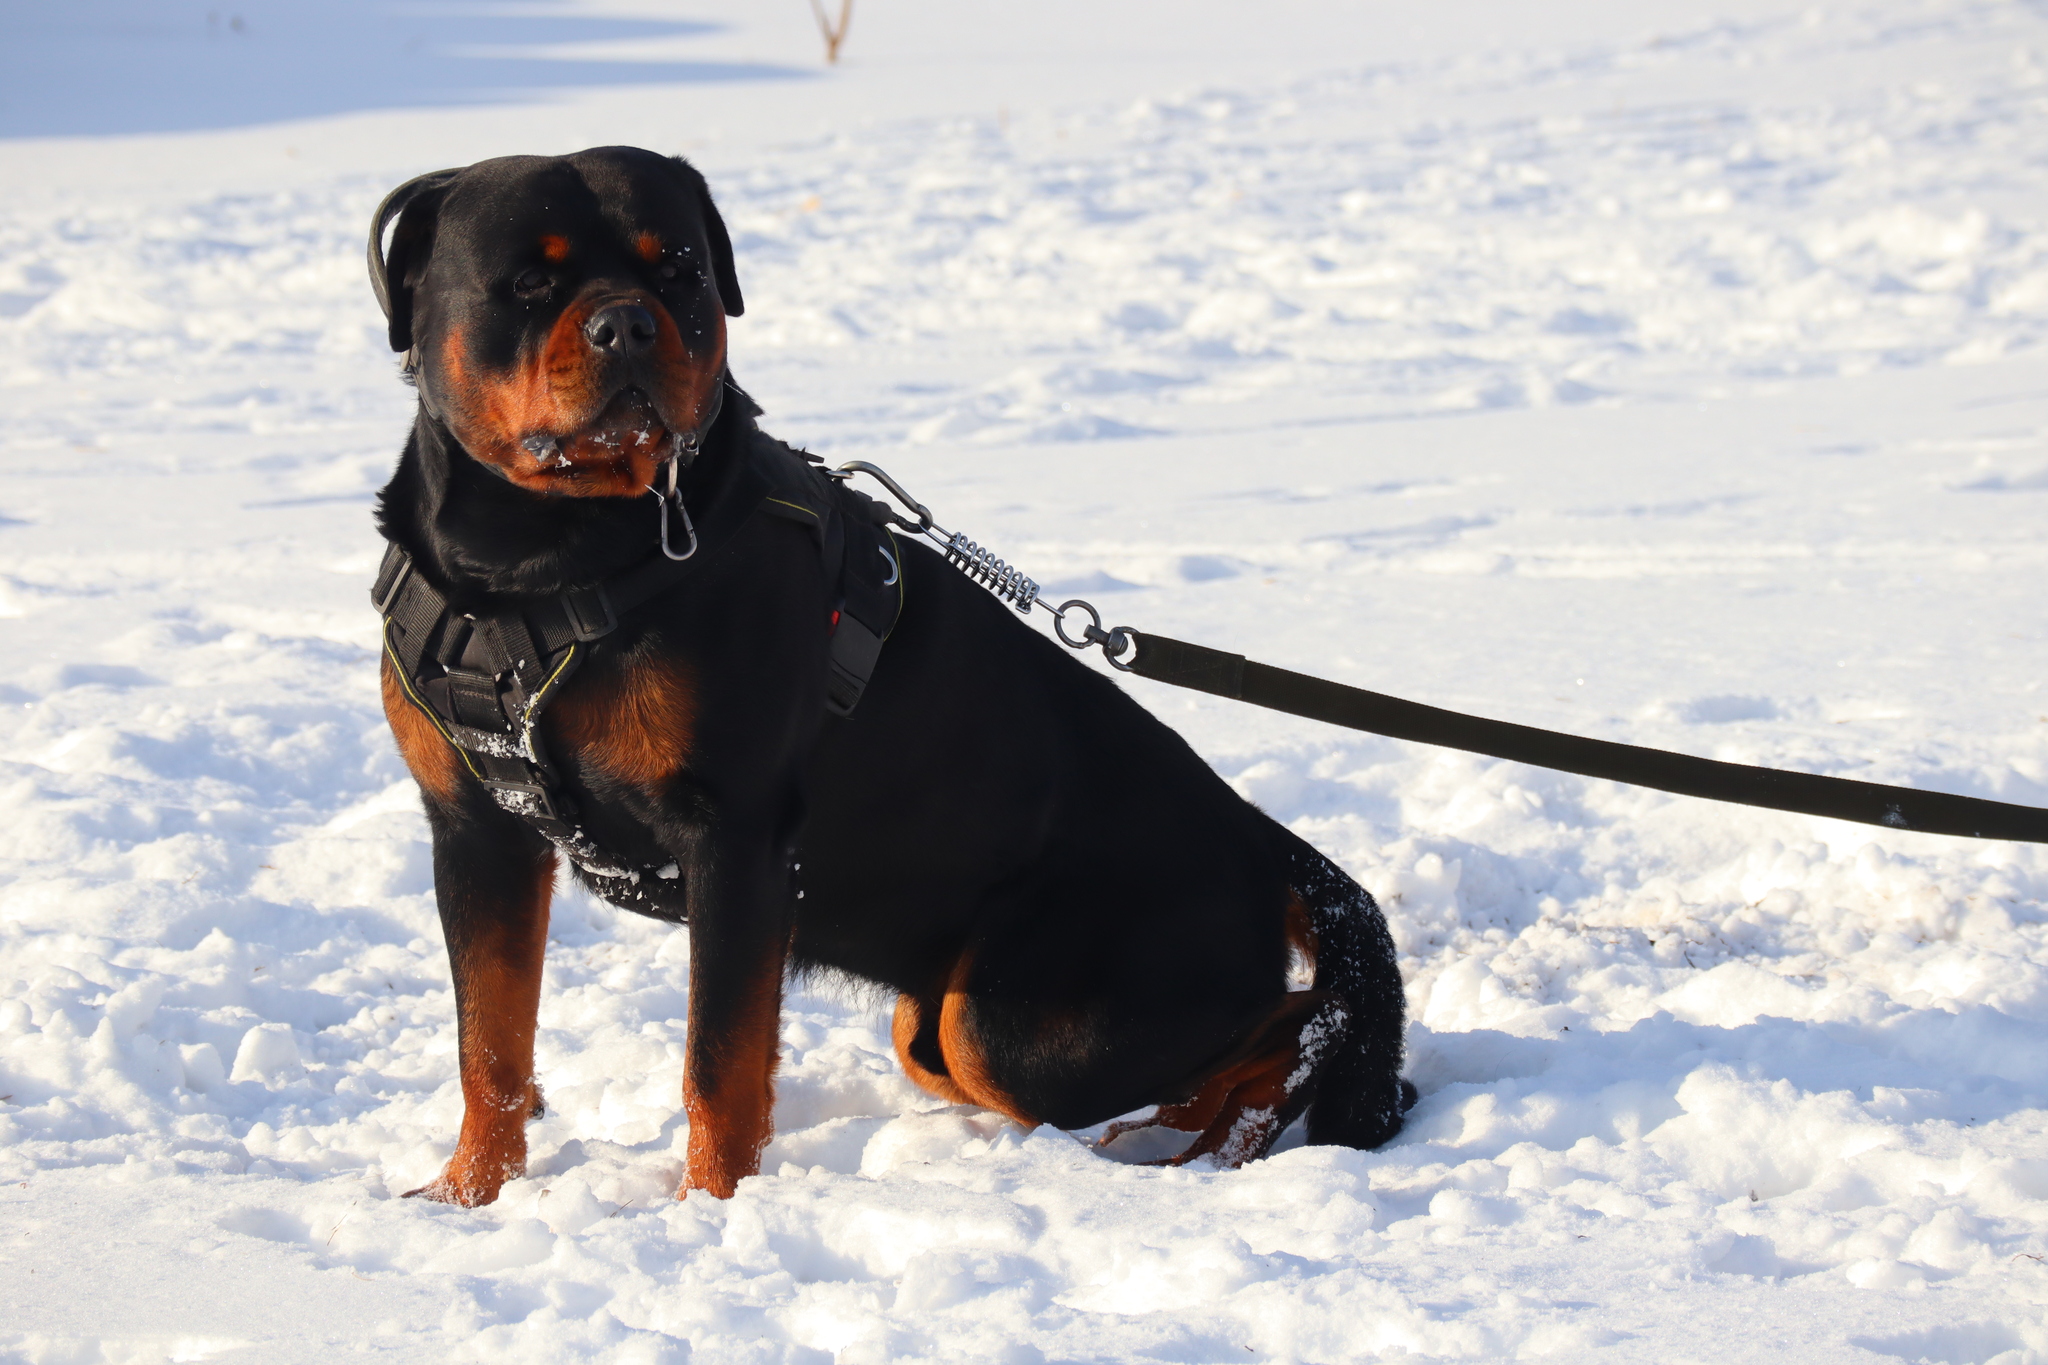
x=1360, y=1095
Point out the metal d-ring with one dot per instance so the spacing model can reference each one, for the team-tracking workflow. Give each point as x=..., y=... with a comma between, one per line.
x=895, y=570
x=1059, y=624
x=1115, y=642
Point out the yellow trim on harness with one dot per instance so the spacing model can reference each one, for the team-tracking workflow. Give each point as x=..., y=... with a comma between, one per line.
x=533, y=707
x=797, y=505
x=405, y=685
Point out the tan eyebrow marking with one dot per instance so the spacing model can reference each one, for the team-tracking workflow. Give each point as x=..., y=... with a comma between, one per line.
x=555, y=248
x=649, y=247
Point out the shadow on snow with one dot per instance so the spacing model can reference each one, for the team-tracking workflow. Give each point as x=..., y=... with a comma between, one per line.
x=90, y=67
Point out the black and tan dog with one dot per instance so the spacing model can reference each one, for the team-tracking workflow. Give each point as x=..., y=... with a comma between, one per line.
x=1078, y=916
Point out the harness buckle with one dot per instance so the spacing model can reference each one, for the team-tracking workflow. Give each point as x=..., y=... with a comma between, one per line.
x=590, y=613
x=529, y=799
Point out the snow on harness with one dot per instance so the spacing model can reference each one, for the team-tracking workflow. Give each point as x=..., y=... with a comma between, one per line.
x=485, y=677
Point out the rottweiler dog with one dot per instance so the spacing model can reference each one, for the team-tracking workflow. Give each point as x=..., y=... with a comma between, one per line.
x=1077, y=916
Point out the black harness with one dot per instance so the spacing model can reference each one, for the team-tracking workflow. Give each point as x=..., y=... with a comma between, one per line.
x=484, y=677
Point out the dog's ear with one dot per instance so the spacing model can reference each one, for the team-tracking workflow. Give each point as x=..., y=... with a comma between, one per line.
x=722, y=272
x=416, y=204
x=721, y=259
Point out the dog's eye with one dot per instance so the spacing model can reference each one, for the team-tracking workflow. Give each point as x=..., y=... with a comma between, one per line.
x=532, y=282
x=676, y=265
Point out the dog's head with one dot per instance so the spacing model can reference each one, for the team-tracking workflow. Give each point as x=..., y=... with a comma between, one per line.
x=565, y=316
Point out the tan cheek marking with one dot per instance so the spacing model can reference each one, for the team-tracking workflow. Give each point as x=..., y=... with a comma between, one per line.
x=686, y=374
x=491, y=414
x=636, y=724
x=566, y=361
x=649, y=247
x=554, y=247
x=432, y=759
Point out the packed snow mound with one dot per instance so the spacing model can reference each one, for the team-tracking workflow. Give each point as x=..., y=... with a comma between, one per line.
x=1680, y=387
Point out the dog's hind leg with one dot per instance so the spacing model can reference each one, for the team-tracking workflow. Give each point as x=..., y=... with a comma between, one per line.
x=1079, y=1004
x=1245, y=1104
x=915, y=1031
x=968, y=1066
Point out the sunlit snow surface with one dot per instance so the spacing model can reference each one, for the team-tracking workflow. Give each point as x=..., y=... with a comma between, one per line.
x=1683, y=385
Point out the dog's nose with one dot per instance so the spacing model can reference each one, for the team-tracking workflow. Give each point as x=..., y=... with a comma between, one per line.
x=623, y=329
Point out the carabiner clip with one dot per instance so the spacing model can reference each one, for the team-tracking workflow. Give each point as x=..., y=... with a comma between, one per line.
x=662, y=500
x=917, y=509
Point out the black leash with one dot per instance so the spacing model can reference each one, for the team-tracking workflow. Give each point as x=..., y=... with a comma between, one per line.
x=1839, y=798
x=1222, y=674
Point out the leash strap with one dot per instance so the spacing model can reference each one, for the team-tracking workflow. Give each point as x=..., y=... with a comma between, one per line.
x=1202, y=669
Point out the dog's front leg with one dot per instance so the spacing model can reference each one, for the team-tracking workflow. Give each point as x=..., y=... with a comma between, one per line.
x=493, y=880
x=739, y=944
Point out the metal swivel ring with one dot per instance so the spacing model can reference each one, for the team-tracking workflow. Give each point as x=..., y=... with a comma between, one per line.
x=1115, y=642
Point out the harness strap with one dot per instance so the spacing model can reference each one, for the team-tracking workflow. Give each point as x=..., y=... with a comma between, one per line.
x=485, y=677
x=871, y=601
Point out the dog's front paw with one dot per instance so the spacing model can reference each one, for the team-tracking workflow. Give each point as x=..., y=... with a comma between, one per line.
x=714, y=1187
x=711, y=1171
x=445, y=1191
x=469, y=1182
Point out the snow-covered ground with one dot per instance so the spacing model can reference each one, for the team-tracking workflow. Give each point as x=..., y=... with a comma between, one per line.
x=1667, y=370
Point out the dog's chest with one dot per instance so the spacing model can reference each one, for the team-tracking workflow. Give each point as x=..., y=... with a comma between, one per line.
x=633, y=719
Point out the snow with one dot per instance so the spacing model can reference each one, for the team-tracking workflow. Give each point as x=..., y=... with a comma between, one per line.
x=1666, y=371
